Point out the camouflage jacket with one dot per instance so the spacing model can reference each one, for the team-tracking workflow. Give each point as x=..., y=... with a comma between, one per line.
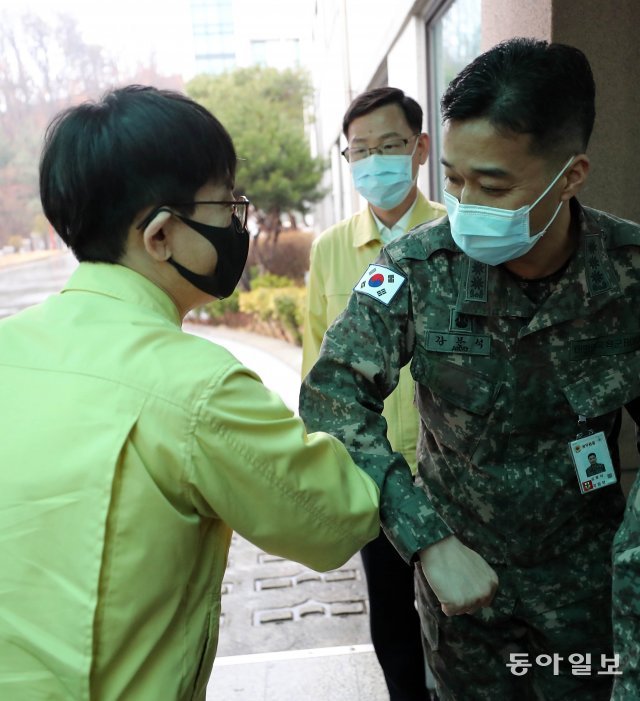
x=626, y=602
x=501, y=381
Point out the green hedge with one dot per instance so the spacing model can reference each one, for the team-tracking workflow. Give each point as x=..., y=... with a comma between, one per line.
x=275, y=305
x=279, y=308
x=218, y=309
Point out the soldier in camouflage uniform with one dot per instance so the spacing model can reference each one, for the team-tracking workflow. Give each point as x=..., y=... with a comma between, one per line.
x=517, y=336
x=626, y=599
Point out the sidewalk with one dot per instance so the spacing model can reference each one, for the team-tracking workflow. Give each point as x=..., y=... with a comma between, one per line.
x=276, y=362
x=288, y=633
x=12, y=260
x=349, y=673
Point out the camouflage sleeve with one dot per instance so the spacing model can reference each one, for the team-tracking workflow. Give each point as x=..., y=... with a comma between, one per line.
x=626, y=600
x=343, y=394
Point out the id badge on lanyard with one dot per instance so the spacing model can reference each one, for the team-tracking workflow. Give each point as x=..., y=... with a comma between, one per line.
x=590, y=455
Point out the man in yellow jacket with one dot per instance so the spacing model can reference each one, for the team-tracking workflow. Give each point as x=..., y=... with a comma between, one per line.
x=386, y=147
x=131, y=449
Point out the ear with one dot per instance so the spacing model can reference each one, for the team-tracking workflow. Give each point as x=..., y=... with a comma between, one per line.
x=423, y=148
x=576, y=176
x=154, y=238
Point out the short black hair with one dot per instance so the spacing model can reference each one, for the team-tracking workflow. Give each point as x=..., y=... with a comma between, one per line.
x=103, y=162
x=594, y=455
x=378, y=97
x=528, y=86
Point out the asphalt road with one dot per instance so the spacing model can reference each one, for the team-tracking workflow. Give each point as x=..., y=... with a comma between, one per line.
x=29, y=283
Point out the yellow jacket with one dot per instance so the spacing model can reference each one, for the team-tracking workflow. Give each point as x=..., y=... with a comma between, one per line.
x=129, y=451
x=339, y=256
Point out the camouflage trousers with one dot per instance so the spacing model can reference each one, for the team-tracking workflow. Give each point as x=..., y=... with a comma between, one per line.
x=553, y=610
x=626, y=600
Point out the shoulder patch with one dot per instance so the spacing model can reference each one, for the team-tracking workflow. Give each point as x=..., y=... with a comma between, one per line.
x=380, y=282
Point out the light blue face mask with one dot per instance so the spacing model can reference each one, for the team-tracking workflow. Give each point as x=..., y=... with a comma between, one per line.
x=492, y=235
x=384, y=181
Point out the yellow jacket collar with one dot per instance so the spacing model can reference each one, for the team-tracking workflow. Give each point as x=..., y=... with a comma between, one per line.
x=366, y=229
x=120, y=282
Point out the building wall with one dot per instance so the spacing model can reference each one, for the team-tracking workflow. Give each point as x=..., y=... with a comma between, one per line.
x=607, y=33
x=504, y=19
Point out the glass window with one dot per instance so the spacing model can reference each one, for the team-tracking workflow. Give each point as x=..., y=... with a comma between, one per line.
x=213, y=35
x=454, y=41
x=259, y=52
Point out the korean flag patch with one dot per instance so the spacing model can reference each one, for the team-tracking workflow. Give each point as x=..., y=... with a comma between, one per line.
x=380, y=283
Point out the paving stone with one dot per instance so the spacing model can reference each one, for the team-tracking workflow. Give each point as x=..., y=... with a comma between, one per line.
x=272, y=604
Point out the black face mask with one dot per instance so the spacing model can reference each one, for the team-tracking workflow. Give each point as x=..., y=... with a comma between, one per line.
x=232, y=244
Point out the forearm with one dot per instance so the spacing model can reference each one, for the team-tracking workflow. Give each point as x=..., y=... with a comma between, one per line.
x=340, y=397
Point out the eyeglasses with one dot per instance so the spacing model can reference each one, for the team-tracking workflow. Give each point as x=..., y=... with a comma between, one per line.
x=389, y=147
x=239, y=210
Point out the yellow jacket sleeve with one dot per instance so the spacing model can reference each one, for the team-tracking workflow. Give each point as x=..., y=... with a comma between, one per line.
x=295, y=495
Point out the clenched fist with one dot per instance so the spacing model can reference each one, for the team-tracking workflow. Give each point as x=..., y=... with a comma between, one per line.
x=460, y=578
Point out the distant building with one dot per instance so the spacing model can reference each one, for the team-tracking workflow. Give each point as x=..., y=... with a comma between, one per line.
x=236, y=33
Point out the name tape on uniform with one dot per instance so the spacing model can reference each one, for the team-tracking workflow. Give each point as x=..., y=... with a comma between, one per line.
x=380, y=282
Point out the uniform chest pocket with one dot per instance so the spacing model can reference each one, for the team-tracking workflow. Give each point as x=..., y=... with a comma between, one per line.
x=455, y=401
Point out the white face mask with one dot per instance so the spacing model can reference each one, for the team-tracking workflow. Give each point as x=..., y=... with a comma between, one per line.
x=492, y=235
x=384, y=181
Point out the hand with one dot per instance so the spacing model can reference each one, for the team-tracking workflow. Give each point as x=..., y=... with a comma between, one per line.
x=460, y=578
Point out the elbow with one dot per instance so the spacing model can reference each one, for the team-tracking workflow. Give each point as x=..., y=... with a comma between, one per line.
x=334, y=553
